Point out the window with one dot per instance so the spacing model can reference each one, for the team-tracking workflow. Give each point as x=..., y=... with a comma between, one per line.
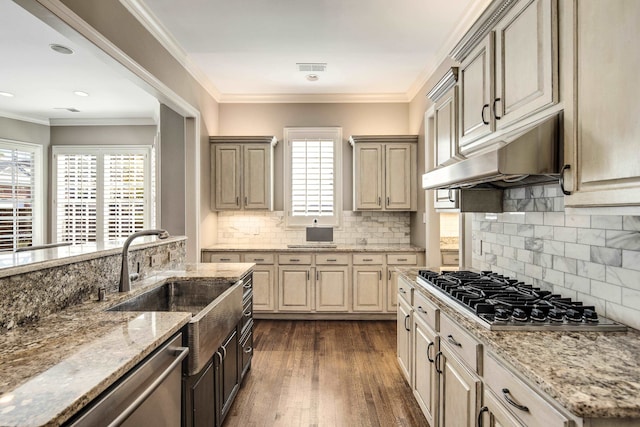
x=20, y=195
x=101, y=194
x=313, y=178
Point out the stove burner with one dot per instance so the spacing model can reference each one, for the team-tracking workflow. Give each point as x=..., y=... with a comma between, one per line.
x=502, y=301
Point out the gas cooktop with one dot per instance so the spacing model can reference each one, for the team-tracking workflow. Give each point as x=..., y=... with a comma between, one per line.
x=500, y=303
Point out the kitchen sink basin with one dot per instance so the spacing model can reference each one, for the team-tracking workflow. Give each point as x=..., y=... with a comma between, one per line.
x=215, y=306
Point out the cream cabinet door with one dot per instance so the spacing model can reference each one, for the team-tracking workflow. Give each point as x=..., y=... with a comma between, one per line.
x=474, y=80
x=368, y=167
x=445, y=126
x=368, y=289
x=257, y=176
x=295, y=289
x=605, y=169
x=526, y=70
x=398, y=168
x=425, y=377
x=403, y=336
x=392, y=290
x=227, y=161
x=459, y=391
x=264, y=288
x=332, y=288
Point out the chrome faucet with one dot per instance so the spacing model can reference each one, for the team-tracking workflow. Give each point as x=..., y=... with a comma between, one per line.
x=125, y=279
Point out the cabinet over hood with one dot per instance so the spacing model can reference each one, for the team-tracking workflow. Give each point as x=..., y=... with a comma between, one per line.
x=527, y=156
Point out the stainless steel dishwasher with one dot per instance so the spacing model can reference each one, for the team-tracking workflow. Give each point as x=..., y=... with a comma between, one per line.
x=149, y=395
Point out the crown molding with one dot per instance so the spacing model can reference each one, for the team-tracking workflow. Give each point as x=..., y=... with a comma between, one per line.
x=124, y=121
x=313, y=98
x=29, y=119
x=150, y=21
x=465, y=23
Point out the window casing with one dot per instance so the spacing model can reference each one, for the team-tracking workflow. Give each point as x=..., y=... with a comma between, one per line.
x=101, y=194
x=21, y=194
x=313, y=176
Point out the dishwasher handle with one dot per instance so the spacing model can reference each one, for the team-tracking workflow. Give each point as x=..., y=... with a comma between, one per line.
x=181, y=352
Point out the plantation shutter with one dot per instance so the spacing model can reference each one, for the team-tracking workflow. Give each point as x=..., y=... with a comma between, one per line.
x=76, y=198
x=17, y=192
x=312, y=177
x=125, y=198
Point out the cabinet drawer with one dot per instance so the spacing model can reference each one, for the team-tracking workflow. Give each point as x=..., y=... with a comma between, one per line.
x=402, y=259
x=225, y=257
x=332, y=259
x=450, y=258
x=426, y=310
x=508, y=388
x=405, y=290
x=461, y=343
x=368, y=259
x=299, y=259
x=260, y=258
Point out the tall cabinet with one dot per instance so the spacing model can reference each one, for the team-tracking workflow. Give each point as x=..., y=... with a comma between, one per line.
x=242, y=172
x=385, y=172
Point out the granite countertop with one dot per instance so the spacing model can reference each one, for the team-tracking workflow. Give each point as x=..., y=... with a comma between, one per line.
x=51, y=369
x=592, y=374
x=266, y=247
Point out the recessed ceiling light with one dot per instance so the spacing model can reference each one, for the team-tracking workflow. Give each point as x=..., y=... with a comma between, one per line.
x=61, y=49
x=312, y=77
x=6, y=94
x=81, y=93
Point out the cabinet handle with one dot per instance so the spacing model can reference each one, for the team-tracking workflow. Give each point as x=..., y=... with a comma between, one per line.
x=317, y=275
x=402, y=259
x=453, y=341
x=225, y=259
x=380, y=274
x=248, y=350
x=258, y=259
x=388, y=200
x=367, y=259
x=237, y=200
x=402, y=291
x=379, y=201
x=331, y=260
x=389, y=275
x=247, y=314
x=506, y=394
x=246, y=200
x=247, y=285
x=421, y=310
x=561, y=179
x=294, y=259
x=405, y=322
x=431, y=344
x=308, y=275
x=217, y=353
x=224, y=353
x=437, y=362
x=482, y=411
x=449, y=196
x=484, y=121
x=495, y=113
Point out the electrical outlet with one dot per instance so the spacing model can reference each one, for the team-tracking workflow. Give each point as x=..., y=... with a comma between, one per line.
x=173, y=255
x=156, y=260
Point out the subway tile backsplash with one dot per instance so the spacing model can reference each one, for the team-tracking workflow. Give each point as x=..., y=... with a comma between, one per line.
x=378, y=228
x=592, y=258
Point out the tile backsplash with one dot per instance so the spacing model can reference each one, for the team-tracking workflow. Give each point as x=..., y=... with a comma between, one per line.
x=378, y=228
x=595, y=259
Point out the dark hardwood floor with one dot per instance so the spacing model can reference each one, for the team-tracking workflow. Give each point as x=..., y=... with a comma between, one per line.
x=325, y=373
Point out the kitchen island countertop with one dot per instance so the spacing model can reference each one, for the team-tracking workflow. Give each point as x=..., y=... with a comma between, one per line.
x=50, y=369
x=310, y=247
x=592, y=374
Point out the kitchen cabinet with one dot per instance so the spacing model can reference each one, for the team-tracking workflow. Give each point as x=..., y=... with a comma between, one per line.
x=426, y=345
x=295, y=289
x=368, y=283
x=227, y=369
x=459, y=390
x=395, y=260
x=264, y=280
x=508, y=70
x=403, y=328
x=242, y=173
x=601, y=126
x=332, y=282
x=385, y=172
x=200, y=398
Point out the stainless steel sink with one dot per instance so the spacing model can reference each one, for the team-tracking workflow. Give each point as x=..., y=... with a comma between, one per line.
x=216, y=307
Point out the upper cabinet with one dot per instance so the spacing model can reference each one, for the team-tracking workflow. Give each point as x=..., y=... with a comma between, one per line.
x=385, y=175
x=602, y=130
x=242, y=172
x=508, y=69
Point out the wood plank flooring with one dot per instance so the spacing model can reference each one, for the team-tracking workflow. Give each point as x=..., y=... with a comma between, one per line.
x=325, y=373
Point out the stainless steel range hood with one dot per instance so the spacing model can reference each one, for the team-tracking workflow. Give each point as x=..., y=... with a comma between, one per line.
x=528, y=156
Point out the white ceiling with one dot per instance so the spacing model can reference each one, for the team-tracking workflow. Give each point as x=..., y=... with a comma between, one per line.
x=377, y=48
x=43, y=81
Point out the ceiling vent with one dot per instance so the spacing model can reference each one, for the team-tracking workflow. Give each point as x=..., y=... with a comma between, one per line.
x=312, y=67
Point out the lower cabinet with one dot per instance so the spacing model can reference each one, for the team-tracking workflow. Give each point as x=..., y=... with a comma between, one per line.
x=228, y=373
x=332, y=288
x=368, y=289
x=459, y=391
x=425, y=377
x=199, y=398
x=264, y=279
x=295, y=289
x=404, y=337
